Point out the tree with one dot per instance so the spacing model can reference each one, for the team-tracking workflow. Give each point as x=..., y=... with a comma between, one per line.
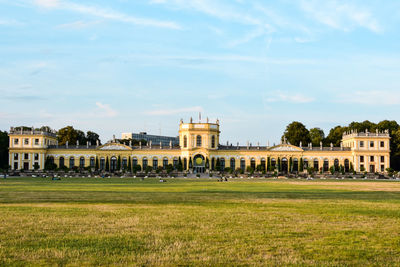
x=335, y=135
x=129, y=164
x=81, y=137
x=92, y=137
x=67, y=134
x=279, y=165
x=119, y=163
x=296, y=132
x=190, y=163
x=4, y=141
x=49, y=165
x=301, y=167
x=290, y=164
x=269, y=164
x=180, y=165
x=107, y=165
x=317, y=136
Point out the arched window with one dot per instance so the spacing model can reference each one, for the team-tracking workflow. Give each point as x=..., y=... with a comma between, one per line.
x=242, y=164
x=81, y=162
x=273, y=163
x=213, y=141
x=336, y=164
x=92, y=162
x=175, y=163
x=165, y=163
x=295, y=165
x=305, y=164
x=134, y=162
x=222, y=164
x=102, y=163
x=316, y=165
x=155, y=163
x=326, y=165
x=61, y=164
x=346, y=165
x=71, y=162
x=233, y=163
x=263, y=164
x=198, y=141
x=253, y=163
x=144, y=163
x=185, y=141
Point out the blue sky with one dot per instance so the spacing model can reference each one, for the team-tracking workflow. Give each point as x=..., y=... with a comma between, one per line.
x=129, y=66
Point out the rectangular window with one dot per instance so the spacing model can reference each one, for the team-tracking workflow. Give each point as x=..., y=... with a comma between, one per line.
x=26, y=141
x=382, y=144
x=36, y=156
x=382, y=158
x=361, y=143
x=382, y=168
x=361, y=158
x=371, y=158
x=16, y=140
x=36, y=141
x=15, y=156
x=26, y=156
x=371, y=144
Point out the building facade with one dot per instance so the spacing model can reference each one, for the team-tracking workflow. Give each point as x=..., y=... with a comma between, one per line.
x=199, y=150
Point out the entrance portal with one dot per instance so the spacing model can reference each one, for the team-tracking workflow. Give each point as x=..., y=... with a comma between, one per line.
x=113, y=165
x=199, y=164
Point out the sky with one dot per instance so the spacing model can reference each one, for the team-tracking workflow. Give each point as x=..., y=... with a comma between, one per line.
x=142, y=65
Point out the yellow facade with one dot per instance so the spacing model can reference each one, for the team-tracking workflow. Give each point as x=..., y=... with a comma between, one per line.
x=199, y=150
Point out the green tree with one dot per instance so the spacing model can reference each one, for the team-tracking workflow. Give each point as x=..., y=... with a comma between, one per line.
x=269, y=164
x=296, y=132
x=96, y=166
x=92, y=137
x=4, y=141
x=107, y=165
x=301, y=167
x=335, y=135
x=279, y=165
x=119, y=163
x=317, y=135
x=180, y=165
x=129, y=164
x=67, y=134
x=290, y=164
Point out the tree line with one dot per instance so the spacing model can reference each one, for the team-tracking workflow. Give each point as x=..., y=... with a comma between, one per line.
x=297, y=132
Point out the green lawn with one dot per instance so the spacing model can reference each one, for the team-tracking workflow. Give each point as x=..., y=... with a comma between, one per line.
x=125, y=221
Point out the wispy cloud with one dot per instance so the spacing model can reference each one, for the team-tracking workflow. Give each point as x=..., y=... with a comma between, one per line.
x=104, y=13
x=174, y=111
x=343, y=16
x=106, y=110
x=78, y=24
x=10, y=22
x=288, y=97
x=371, y=97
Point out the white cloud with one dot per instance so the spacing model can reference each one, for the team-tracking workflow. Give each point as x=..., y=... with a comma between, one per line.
x=371, y=97
x=288, y=97
x=105, y=110
x=104, y=13
x=341, y=16
x=10, y=22
x=78, y=24
x=174, y=111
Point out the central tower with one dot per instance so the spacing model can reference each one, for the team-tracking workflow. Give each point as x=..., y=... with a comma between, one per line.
x=199, y=136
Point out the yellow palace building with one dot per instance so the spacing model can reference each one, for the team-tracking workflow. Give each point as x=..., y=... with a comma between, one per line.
x=199, y=150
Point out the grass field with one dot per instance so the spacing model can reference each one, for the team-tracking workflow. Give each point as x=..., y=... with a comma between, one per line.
x=94, y=221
